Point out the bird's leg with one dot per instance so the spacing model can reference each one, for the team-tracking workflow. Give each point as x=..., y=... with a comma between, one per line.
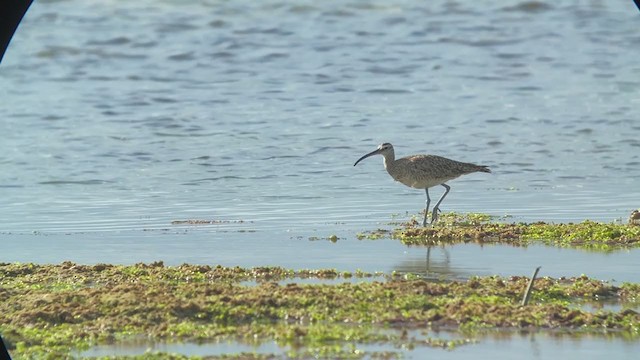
x=434, y=212
x=426, y=209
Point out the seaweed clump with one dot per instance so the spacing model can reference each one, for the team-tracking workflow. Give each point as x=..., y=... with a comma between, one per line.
x=481, y=228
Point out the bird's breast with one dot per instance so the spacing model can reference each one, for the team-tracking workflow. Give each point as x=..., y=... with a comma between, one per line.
x=424, y=184
x=417, y=181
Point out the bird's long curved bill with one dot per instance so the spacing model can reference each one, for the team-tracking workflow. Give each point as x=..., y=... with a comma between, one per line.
x=375, y=152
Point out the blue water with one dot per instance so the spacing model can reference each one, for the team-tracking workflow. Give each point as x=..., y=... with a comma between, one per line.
x=119, y=118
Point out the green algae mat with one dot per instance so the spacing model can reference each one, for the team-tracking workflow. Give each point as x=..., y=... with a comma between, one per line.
x=481, y=228
x=56, y=311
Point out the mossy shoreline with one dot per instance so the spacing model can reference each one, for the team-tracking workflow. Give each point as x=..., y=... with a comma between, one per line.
x=481, y=228
x=53, y=311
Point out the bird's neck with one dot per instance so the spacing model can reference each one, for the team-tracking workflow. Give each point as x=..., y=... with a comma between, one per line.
x=388, y=161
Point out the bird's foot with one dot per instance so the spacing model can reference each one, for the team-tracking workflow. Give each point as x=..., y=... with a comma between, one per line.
x=424, y=220
x=434, y=215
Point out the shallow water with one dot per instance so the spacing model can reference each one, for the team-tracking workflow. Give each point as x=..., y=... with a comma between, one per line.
x=285, y=249
x=121, y=117
x=494, y=345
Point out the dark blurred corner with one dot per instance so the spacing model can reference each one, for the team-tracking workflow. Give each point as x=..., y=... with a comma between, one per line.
x=11, y=12
x=4, y=353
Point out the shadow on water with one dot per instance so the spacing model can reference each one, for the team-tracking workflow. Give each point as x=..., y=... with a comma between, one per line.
x=461, y=261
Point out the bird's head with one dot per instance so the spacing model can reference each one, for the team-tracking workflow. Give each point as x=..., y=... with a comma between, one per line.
x=385, y=150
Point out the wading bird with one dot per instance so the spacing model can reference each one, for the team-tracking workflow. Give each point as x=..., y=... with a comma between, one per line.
x=423, y=172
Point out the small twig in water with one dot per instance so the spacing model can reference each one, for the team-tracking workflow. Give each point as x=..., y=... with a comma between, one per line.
x=527, y=294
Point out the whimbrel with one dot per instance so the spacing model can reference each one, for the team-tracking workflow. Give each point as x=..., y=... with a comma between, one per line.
x=423, y=172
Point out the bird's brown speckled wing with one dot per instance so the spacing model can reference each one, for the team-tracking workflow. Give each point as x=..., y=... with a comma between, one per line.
x=422, y=171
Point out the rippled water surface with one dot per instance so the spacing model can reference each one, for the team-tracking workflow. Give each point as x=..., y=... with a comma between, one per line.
x=119, y=117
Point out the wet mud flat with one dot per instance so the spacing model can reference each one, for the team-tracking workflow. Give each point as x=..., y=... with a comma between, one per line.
x=58, y=311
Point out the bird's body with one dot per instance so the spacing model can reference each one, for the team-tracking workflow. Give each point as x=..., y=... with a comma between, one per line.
x=423, y=172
